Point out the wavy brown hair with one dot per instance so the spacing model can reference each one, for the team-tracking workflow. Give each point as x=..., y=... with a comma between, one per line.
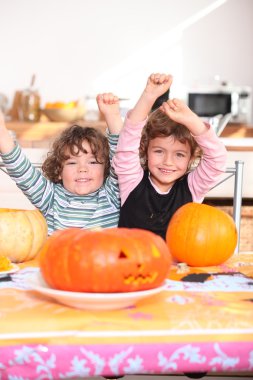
x=70, y=140
x=160, y=125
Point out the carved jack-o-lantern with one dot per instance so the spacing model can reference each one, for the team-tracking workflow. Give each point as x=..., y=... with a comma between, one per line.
x=110, y=260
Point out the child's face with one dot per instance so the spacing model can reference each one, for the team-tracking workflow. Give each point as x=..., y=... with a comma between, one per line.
x=168, y=160
x=82, y=174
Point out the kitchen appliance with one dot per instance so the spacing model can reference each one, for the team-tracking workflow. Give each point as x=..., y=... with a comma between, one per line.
x=210, y=101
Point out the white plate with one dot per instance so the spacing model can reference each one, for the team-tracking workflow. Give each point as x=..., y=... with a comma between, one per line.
x=91, y=301
x=4, y=273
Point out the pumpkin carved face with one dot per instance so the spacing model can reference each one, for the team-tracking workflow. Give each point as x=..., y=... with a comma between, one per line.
x=110, y=260
x=201, y=235
x=22, y=234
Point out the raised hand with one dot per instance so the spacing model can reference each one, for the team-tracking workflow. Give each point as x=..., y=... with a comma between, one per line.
x=158, y=84
x=108, y=105
x=179, y=112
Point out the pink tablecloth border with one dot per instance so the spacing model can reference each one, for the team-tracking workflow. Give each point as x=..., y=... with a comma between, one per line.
x=68, y=361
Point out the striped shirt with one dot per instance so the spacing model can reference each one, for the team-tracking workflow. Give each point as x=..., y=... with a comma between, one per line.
x=61, y=208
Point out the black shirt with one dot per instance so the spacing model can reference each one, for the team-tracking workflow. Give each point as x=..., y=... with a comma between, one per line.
x=145, y=208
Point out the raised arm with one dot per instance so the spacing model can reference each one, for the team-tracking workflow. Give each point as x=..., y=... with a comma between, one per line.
x=156, y=86
x=126, y=161
x=108, y=105
x=6, y=141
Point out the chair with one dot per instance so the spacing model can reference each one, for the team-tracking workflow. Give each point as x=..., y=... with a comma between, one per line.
x=219, y=122
x=237, y=172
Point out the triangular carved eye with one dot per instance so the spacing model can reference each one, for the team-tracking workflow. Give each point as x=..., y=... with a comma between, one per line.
x=122, y=255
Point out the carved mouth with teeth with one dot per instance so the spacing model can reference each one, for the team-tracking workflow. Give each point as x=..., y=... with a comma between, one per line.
x=140, y=279
x=142, y=276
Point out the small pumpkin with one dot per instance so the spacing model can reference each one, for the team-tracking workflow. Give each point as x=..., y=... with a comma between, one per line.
x=201, y=235
x=22, y=234
x=109, y=260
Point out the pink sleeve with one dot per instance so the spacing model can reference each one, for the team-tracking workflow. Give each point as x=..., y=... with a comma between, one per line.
x=126, y=161
x=211, y=166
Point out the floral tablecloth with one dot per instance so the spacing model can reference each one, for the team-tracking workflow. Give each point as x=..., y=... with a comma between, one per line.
x=201, y=322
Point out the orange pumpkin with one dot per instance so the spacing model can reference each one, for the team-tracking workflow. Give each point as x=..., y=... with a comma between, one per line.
x=201, y=235
x=22, y=234
x=109, y=260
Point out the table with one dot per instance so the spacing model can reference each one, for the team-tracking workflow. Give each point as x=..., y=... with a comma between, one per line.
x=201, y=322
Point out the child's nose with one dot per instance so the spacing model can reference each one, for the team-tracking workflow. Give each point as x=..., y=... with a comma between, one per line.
x=83, y=167
x=168, y=159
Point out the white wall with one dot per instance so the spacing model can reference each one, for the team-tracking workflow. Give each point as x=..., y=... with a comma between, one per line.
x=81, y=47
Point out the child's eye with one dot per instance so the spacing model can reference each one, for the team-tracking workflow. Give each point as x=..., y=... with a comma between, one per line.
x=158, y=151
x=180, y=155
x=94, y=162
x=70, y=162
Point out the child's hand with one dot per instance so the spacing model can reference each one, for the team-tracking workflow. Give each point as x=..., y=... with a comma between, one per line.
x=108, y=104
x=158, y=84
x=179, y=112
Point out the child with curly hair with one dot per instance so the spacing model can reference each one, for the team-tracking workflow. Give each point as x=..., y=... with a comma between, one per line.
x=77, y=186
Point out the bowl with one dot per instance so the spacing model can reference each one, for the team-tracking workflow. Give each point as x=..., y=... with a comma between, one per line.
x=64, y=114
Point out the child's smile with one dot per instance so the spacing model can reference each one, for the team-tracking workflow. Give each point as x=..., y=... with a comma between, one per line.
x=168, y=160
x=82, y=173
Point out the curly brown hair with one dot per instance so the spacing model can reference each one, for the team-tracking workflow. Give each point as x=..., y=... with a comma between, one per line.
x=70, y=139
x=160, y=125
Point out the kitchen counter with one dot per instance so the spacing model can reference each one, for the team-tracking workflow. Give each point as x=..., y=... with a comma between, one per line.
x=238, y=137
x=238, y=144
x=42, y=134
x=238, y=131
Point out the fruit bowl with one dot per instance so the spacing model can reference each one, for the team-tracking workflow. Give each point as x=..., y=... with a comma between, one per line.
x=64, y=112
